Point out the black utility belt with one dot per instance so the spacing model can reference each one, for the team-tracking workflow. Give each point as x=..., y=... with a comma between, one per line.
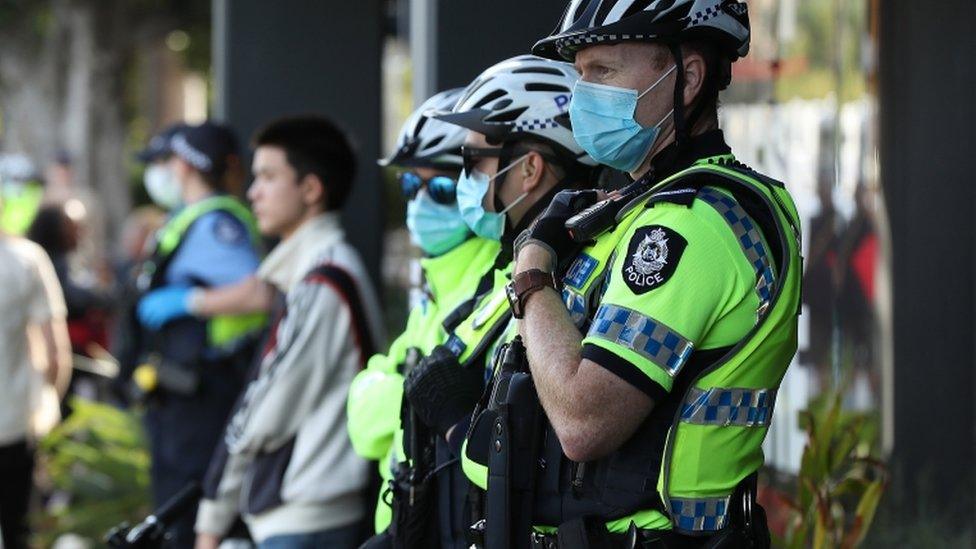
x=579, y=536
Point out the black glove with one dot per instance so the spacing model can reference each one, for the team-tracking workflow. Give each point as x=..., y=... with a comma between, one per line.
x=440, y=391
x=549, y=229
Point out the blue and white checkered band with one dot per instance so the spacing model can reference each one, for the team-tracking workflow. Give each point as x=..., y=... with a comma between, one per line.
x=576, y=305
x=700, y=514
x=749, y=238
x=188, y=152
x=645, y=336
x=535, y=124
x=568, y=45
x=704, y=15
x=737, y=407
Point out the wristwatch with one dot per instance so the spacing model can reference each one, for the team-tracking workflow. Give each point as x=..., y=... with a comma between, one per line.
x=525, y=284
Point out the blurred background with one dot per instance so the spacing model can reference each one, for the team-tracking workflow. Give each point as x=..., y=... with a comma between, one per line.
x=864, y=108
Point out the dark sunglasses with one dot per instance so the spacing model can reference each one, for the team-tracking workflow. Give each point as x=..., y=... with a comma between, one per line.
x=470, y=156
x=441, y=188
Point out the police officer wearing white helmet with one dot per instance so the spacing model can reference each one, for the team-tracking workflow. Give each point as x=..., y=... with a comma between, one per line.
x=519, y=152
x=656, y=350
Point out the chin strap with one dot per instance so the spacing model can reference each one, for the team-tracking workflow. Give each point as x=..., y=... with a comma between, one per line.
x=680, y=129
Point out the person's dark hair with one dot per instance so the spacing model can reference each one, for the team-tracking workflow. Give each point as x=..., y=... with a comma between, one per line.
x=314, y=145
x=51, y=230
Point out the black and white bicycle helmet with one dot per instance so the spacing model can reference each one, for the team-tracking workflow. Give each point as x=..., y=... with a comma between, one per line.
x=589, y=22
x=425, y=141
x=522, y=97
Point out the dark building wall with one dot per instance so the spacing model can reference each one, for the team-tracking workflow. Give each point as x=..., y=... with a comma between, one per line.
x=475, y=34
x=308, y=56
x=928, y=141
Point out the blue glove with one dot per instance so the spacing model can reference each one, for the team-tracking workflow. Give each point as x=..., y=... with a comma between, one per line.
x=163, y=305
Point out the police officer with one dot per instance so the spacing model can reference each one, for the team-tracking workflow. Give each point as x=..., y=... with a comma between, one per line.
x=194, y=368
x=22, y=193
x=657, y=353
x=518, y=153
x=429, y=154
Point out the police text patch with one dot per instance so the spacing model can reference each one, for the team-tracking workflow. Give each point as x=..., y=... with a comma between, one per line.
x=652, y=256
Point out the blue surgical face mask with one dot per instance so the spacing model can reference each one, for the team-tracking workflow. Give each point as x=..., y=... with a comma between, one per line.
x=471, y=191
x=436, y=228
x=604, y=124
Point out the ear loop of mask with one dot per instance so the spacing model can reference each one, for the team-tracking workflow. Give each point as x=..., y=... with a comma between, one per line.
x=658, y=81
x=521, y=197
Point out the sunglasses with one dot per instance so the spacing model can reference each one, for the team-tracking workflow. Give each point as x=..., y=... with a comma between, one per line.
x=471, y=156
x=441, y=188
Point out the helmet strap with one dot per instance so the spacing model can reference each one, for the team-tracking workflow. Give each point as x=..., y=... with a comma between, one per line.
x=680, y=129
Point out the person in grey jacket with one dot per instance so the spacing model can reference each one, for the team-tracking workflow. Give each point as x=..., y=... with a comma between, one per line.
x=286, y=463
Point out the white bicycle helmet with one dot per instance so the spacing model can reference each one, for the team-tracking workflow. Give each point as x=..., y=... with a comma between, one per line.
x=425, y=141
x=588, y=22
x=17, y=168
x=522, y=97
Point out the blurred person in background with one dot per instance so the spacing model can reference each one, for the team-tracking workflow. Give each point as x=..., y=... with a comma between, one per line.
x=819, y=289
x=192, y=370
x=285, y=461
x=55, y=231
x=22, y=192
x=33, y=344
x=137, y=246
x=88, y=306
x=854, y=276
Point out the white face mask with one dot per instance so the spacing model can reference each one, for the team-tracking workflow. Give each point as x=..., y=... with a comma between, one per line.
x=162, y=186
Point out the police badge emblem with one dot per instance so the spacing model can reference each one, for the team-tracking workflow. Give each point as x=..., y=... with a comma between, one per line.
x=652, y=257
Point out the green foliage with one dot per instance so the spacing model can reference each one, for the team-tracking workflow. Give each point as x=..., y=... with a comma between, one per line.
x=98, y=457
x=840, y=483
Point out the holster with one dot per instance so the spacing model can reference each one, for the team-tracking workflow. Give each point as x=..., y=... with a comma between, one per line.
x=512, y=452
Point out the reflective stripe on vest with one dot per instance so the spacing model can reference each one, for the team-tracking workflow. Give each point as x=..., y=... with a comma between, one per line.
x=739, y=407
x=751, y=241
x=647, y=337
x=700, y=514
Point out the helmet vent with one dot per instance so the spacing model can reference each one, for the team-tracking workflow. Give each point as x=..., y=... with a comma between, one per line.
x=489, y=98
x=501, y=104
x=509, y=116
x=420, y=126
x=435, y=142
x=540, y=87
x=538, y=70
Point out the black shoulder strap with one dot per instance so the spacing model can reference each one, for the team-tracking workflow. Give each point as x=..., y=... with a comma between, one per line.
x=340, y=280
x=753, y=201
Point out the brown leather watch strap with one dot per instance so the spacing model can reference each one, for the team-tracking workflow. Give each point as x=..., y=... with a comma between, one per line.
x=525, y=284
